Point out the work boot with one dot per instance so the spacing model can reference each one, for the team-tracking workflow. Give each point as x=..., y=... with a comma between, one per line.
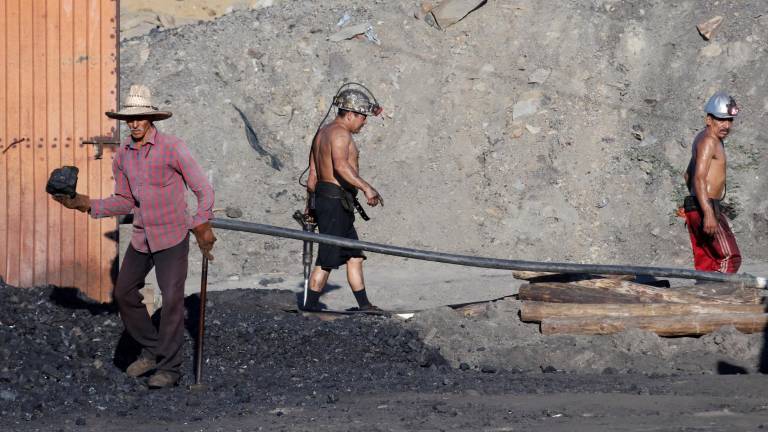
x=162, y=379
x=141, y=366
x=315, y=307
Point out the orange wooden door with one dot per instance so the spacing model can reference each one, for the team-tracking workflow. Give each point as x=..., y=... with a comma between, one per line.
x=58, y=75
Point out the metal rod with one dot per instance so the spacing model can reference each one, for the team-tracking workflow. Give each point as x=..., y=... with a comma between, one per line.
x=201, y=323
x=495, y=263
x=13, y=143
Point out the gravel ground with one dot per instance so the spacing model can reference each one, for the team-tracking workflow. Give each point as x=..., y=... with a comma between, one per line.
x=266, y=369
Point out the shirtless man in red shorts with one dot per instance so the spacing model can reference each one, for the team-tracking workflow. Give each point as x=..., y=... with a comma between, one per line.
x=714, y=245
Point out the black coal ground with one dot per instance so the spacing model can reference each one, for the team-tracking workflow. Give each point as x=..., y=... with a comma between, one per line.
x=61, y=361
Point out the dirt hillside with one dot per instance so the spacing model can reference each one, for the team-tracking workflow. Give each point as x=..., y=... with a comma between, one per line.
x=538, y=130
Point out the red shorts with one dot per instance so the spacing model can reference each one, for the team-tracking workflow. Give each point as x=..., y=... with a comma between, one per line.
x=719, y=252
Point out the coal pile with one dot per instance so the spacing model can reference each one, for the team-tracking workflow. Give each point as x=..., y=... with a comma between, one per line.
x=62, y=359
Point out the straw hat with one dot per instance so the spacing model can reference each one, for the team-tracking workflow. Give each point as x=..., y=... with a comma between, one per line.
x=138, y=104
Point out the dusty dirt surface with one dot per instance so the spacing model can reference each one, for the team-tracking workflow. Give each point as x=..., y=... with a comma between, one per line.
x=267, y=369
x=139, y=17
x=532, y=130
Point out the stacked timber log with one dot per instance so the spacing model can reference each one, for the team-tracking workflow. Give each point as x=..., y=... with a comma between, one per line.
x=605, y=304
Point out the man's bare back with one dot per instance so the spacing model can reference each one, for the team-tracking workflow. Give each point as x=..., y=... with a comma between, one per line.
x=322, y=152
x=334, y=157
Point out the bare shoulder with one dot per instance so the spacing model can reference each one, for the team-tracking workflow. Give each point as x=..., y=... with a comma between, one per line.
x=706, y=143
x=338, y=135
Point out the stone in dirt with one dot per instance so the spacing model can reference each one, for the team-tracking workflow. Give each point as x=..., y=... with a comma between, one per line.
x=528, y=105
x=539, y=76
x=707, y=27
x=350, y=32
x=233, y=212
x=449, y=12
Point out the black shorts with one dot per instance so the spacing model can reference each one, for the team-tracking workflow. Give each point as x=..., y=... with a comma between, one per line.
x=333, y=219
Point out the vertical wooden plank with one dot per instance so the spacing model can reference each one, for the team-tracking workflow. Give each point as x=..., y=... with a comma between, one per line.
x=109, y=79
x=13, y=160
x=57, y=77
x=39, y=143
x=80, y=108
x=5, y=139
x=26, y=151
x=68, y=142
x=53, y=96
x=94, y=132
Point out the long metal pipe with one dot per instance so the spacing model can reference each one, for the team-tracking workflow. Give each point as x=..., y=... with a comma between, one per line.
x=495, y=263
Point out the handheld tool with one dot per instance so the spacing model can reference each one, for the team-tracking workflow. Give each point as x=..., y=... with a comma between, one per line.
x=308, y=225
x=198, y=385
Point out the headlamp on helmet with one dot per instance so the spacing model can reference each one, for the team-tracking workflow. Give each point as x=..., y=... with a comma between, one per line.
x=722, y=105
x=356, y=101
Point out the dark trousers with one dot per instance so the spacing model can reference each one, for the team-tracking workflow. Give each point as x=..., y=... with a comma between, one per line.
x=164, y=345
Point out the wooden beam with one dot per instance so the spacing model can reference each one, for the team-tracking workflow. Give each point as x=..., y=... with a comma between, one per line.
x=610, y=291
x=533, y=276
x=537, y=311
x=677, y=325
x=558, y=292
x=663, y=295
x=735, y=293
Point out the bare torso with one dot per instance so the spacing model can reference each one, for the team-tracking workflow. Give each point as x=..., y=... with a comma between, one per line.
x=708, y=154
x=322, y=153
x=334, y=156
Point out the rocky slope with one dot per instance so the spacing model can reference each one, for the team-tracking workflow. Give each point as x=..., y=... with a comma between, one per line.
x=539, y=130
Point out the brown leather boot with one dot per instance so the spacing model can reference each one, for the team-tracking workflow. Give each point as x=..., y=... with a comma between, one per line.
x=140, y=367
x=162, y=379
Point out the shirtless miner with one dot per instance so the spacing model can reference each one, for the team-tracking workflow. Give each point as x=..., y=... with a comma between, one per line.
x=334, y=180
x=714, y=245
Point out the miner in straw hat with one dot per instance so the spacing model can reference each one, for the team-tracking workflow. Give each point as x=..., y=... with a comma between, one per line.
x=152, y=171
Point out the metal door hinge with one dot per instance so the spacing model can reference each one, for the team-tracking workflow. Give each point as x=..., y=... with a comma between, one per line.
x=100, y=146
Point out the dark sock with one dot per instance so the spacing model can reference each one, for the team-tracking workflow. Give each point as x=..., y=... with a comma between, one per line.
x=312, y=300
x=362, y=298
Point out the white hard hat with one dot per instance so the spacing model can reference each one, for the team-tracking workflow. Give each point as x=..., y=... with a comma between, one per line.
x=722, y=105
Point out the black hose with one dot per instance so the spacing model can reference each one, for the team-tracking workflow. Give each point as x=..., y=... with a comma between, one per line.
x=495, y=263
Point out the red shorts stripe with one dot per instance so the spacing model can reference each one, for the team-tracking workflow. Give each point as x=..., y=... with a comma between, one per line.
x=718, y=253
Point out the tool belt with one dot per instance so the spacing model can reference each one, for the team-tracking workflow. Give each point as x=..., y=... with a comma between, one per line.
x=348, y=197
x=691, y=203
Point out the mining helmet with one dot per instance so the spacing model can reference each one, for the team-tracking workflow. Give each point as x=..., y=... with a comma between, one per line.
x=722, y=105
x=356, y=101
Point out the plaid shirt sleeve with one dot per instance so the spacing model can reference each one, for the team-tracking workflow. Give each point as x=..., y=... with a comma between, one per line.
x=121, y=202
x=198, y=183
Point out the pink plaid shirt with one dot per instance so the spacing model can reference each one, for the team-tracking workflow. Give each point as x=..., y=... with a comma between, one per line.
x=150, y=182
